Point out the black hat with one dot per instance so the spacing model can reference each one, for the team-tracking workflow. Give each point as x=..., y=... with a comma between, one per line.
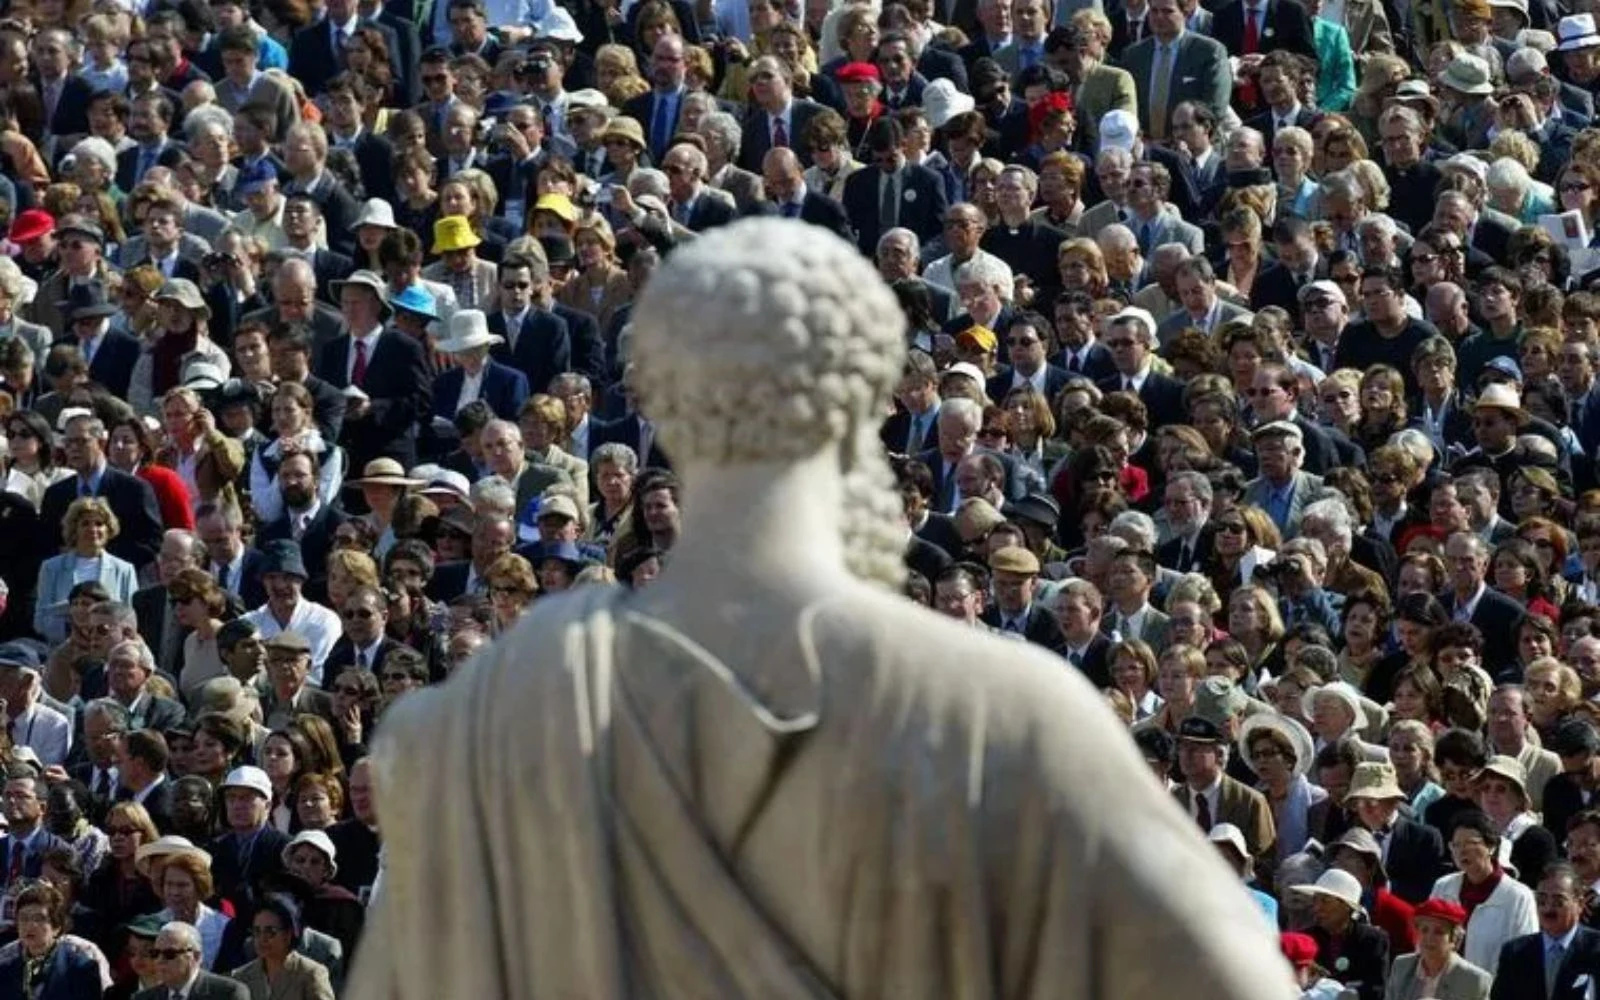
x=283, y=556
x=1249, y=178
x=1573, y=736
x=558, y=249
x=89, y=300
x=1198, y=730
x=238, y=392
x=1035, y=507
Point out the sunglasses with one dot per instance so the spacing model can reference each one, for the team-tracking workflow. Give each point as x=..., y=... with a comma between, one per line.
x=1232, y=527
x=169, y=954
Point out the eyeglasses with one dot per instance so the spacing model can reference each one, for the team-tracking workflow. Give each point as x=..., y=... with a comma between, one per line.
x=504, y=591
x=361, y=613
x=435, y=78
x=169, y=954
x=354, y=690
x=397, y=677
x=1231, y=527
x=1574, y=187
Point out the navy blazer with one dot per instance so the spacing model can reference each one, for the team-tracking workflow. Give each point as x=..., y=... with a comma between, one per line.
x=922, y=205
x=317, y=541
x=33, y=860
x=1096, y=365
x=1161, y=394
x=130, y=498
x=313, y=61
x=1000, y=383
x=643, y=110
x=400, y=388
x=236, y=876
x=709, y=212
x=128, y=161
x=757, y=129
x=503, y=388
x=544, y=348
x=626, y=430
x=818, y=209
x=1520, y=973
x=944, y=485
x=1040, y=628
x=113, y=361
x=72, y=108
x=1286, y=26
x=71, y=974
x=588, y=349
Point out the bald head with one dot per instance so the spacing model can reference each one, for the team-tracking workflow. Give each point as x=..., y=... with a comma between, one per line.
x=781, y=173
x=1446, y=307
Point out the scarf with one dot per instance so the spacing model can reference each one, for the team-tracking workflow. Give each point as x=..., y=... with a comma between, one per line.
x=167, y=358
x=1473, y=896
x=34, y=970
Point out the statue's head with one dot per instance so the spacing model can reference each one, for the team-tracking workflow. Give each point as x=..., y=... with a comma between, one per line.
x=774, y=341
x=763, y=341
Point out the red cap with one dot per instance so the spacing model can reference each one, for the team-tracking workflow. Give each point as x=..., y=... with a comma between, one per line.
x=1441, y=909
x=1051, y=103
x=857, y=72
x=1299, y=949
x=31, y=224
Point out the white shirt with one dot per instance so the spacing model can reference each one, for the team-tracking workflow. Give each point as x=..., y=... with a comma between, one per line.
x=46, y=731
x=471, y=389
x=1210, y=795
x=318, y=624
x=579, y=438
x=1464, y=610
x=1135, y=383
x=366, y=657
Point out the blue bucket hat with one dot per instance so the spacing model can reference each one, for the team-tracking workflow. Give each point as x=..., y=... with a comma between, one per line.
x=415, y=299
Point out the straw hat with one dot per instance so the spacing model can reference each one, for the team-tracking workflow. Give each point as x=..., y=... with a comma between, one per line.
x=1467, y=74
x=1305, y=749
x=368, y=280
x=165, y=848
x=469, y=329
x=1374, y=780
x=626, y=129
x=1510, y=769
x=1335, y=884
x=384, y=472
x=1498, y=396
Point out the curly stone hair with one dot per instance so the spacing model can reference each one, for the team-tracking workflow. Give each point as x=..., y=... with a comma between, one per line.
x=794, y=347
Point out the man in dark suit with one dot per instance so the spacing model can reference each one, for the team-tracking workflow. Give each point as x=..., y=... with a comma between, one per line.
x=142, y=775
x=1195, y=58
x=387, y=367
x=363, y=644
x=1562, y=947
x=306, y=156
x=776, y=118
x=958, y=423
x=291, y=347
x=1414, y=851
x=307, y=518
x=1015, y=580
x=695, y=207
x=784, y=181
x=659, y=110
x=893, y=193
x=131, y=499
x=111, y=353
x=27, y=840
x=128, y=672
x=1496, y=615
x=1025, y=339
x=63, y=96
x=1082, y=354
x=1187, y=501
x=149, y=120
x=536, y=340
x=251, y=847
x=1275, y=392
x=1280, y=24
x=184, y=975
x=914, y=426
x=1130, y=337
x=633, y=430
x=316, y=52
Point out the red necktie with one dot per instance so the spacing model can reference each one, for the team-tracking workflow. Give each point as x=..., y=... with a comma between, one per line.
x=1252, y=34
x=358, y=373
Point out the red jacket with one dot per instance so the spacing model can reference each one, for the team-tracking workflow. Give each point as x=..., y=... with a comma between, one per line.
x=1392, y=915
x=172, y=496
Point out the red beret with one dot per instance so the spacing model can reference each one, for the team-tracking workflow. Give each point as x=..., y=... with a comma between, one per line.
x=1441, y=909
x=1299, y=949
x=31, y=224
x=858, y=72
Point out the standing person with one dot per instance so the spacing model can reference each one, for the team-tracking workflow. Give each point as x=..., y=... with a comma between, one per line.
x=1561, y=959
x=1435, y=969
x=86, y=531
x=130, y=498
x=383, y=373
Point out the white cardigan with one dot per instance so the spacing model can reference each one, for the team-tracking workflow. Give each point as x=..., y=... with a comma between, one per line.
x=1508, y=913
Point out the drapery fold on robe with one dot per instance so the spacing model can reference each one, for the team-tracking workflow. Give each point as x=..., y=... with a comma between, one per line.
x=882, y=805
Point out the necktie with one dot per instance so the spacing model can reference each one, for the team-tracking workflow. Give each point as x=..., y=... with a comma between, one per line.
x=19, y=854
x=1159, y=89
x=1202, y=812
x=102, y=786
x=888, y=204
x=1075, y=657
x=341, y=38
x=361, y=661
x=1145, y=231
x=147, y=159
x=358, y=372
x=1252, y=30
x=780, y=134
x=1552, y=967
x=221, y=573
x=791, y=210
x=1184, y=555
x=1073, y=364
x=660, y=125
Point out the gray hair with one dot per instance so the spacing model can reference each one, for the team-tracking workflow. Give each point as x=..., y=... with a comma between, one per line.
x=1137, y=528
x=985, y=271
x=185, y=933
x=111, y=709
x=576, y=381
x=1112, y=156
x=98, y=149
x=12, y=281
x=207, y=116
x=121, y=615
x=1197, y=481
x=1417, y=443
x=1509, y=175
x=1384, y=224
x=1196, y=587
x=197, y=549
x=1344, y=184
x=616, y=453
x=1117, y=236
x=137, y=649
x=1310, y=547
x=900, y=233
x=495, y=493
x=648, y=180
x=723, y=129
x=963, y=409
x=1333, y=512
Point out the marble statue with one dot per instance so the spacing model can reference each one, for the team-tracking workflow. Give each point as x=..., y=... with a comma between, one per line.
x=767, y=775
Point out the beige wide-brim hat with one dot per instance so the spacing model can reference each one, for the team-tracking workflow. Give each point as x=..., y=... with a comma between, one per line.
x=1374, y=780
x=627, y=129
x=469, y=330
x=1508, y=768
x=1335, y=883
x=1305, y=749
x=385, y=472
x=164, y=848
x=1498, y=396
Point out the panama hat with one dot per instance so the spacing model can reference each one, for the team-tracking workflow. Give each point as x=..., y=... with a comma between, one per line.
x=469, y=329
x=1576, y=31
x=1345, y=693
x=375, y=212
x=384, y=472
x=1499, y=396
x=454, y=232
x=1508, y=768
x=1467, y=74
x=365, y=279
x=1292, y=731
x=626, y=129
x=1335, y=883
x=1376, y=780
x=941, y=101
x=164, y=848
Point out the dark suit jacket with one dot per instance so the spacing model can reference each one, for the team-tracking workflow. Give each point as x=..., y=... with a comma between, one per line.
x=329, y=267
x=397, y=380
x=1275, y=286
x=938, y=63
x=206, y=987
x=1497, y=617
x=72, y=108
x=449, y=581
x=1161, y=394
x=339, y=207
x=588, y=347
x=940, y=529
x=128, y=161
x=1266, y=122
x=343, y=655
x=544, y=348
x=112, y=365
x=643, y=109
x=131, y=499
x=944, y=485
x=158, y=804
x=1096, y=660
x=69, y=975
x=1096, y=365
x=1416, y=859
x=1563, y=799
x=1170, y=552
x=1041, y=629
x=33, y=860
x=1520, y=974
x=894, y=431
x=1491, y=237
x=1285, y=26
x=504, y=388
x=316, y=542
x=1363, y=957
x=357, y=847
x=922, y=205
x=758, y=133
x=1000, y=382
x=925, y=558
x=313, y=61
x=626, y=430
x=326, y=326
x=709, y=212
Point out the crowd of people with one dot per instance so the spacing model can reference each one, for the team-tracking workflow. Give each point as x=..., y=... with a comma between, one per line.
x=1253, y=359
